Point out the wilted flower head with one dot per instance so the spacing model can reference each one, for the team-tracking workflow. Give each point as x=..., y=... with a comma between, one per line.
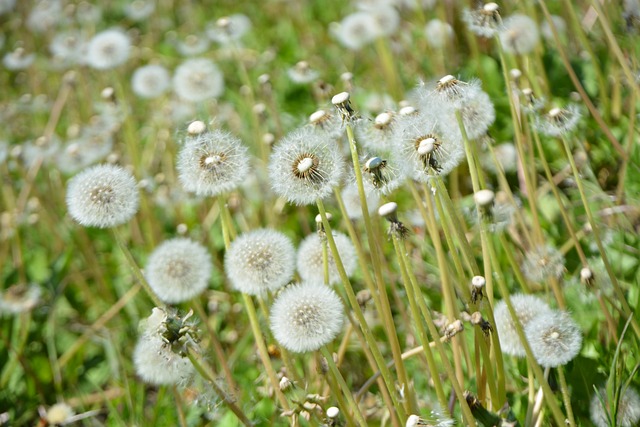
x=102, y=196
x=197, y=80
x=555, y=338
x=558, y=121
x=159, y=357
x=19, y=298
x=628, y=414
x=108, y=49
x=229, y=28
x=178, y=270
x=543, y=262
x=310, y=262
x=483, y=21
x=260, y=261
x=519, y=35
x=211, y=163
x=305, y=166
x=150, y=81
x=527, y=308
x=307, y=316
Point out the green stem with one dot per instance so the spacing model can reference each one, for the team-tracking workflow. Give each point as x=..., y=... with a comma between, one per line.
x=564, y=388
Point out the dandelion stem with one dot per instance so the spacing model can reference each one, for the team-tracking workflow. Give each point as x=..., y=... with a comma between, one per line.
x=565, y=396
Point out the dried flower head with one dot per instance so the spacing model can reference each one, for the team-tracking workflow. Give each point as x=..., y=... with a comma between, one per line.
x=108, y=49
x=310, y=263
x=159, y=357
x=543, y=262
x=307, y=316
x=527, y=308
x=628, y=414
x=102, y=196
x=305, y=167
x=178, y=270
x=519, y=35
x=555, y=338
x=211, y=163
x=198, y=80
x=260, y=261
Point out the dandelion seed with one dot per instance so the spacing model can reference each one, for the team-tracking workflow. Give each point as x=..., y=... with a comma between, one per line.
x=211, y=163
x=542, y=263
x=438, y=33
x=178, y=270
x=102, y=196
x=154, y=357
x=307, y=316
x=558, y=121
x=198, y=80
x=628, y=409
x=150, y=81
x=483, y=21
x=310, y=263
x=108, y=49
x=519, y=35
x=527, y=308
x=260, y=261
x=304, y=167
x=555, y=338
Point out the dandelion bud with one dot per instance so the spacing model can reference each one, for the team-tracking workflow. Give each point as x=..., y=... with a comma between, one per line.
x=342, y=103
x=285, y=383
x=196, y=128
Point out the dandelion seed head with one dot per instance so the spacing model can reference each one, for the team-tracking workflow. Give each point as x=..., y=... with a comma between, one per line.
x=102, y=196
x=438, y=33
x=558, y=121
x=519, y=34
x=302, y=73
x=310, y=263
x=108, y=49
x=150, y=81
x=558, y=22
x=351, y=199
x=483, y=21
x=139, y=10
x=197, y=80
x=59, y=414
x=211, y=163
x=543, y=262
x=304, y=166
x=18, y=59
x=628, y=409
x=260, y=261
x=527, y=308
x=555, y=338
x=19, y=298
x=307, y=316
x=229, y=29
x=178, y=270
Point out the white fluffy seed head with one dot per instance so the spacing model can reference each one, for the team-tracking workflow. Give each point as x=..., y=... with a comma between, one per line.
x=527, y=308
x=519, y=34
x=154, y=360
x=307, y=316
x=212, y=163
x=150, y=81
x=628, y=408
x=555, y=338
x=260, y=261
x=108, y=49
x=305, y=166
x=198, y=80
x=543, y=262
x=178, y=270
x=310, y=263
x=102, y=196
